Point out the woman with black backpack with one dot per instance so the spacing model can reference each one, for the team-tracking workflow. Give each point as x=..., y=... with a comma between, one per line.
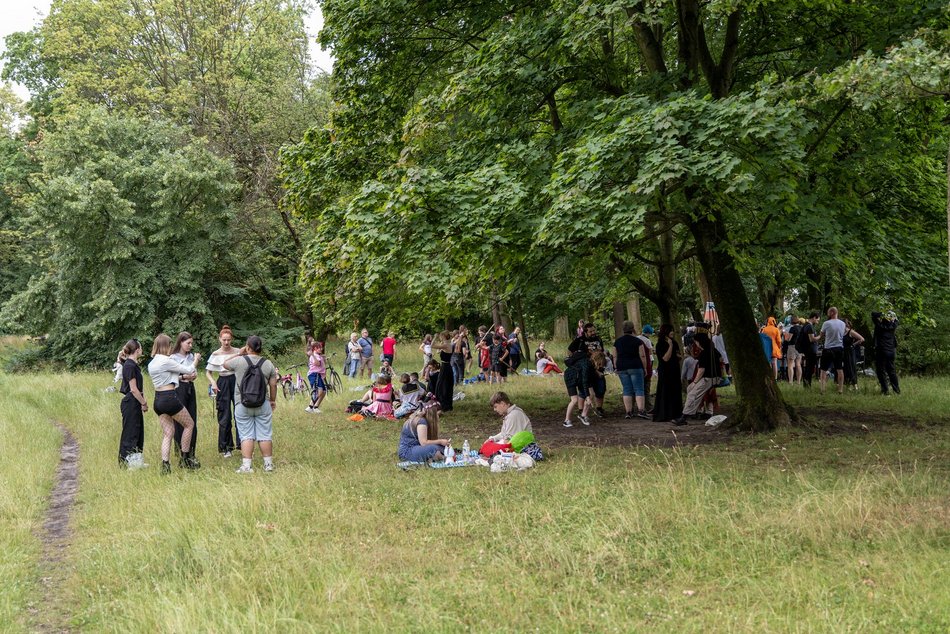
x=255, y=396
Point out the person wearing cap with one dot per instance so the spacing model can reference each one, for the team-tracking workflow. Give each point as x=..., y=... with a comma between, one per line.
x=885, y=349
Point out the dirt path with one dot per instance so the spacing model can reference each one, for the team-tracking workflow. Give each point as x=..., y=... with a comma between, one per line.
x=50, y=615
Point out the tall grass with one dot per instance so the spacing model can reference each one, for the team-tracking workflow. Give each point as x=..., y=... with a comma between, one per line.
x=796, y=531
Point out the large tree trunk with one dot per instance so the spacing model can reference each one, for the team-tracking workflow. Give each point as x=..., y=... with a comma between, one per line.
x=760, y=406
x=561, y=329
x=948, y=211
x=618, y=317
x=633, y=311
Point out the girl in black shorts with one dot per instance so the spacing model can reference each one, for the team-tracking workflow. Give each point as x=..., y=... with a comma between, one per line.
x=165, y=373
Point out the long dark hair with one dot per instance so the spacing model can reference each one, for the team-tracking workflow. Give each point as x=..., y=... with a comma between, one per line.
x=182, y=338
x=665, y=331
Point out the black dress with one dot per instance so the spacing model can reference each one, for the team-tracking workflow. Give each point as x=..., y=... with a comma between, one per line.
x=669, y=390
x=444, y=385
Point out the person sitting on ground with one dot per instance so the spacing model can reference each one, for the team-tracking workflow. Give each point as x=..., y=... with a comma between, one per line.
x=419, y=441
x=514, y=418
x=545, y=364
x=380, y=398
x=386, y=370
x=410, y=396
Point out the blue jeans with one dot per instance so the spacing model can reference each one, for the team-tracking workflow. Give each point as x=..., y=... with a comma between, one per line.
x=354, y=365
x=632, y=381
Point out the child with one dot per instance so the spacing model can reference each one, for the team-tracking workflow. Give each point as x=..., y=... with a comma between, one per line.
x=499, y=356
x=410, y=395
x=317, y=375
x=380, y=398
x=386, y=369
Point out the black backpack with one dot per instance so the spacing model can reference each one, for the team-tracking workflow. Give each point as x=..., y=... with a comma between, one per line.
x=253, y=384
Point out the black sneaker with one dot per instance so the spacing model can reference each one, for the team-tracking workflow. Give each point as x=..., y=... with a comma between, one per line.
x=599, y=411
x=643, y=414
x=584, y=420
x=190, y=461
x=679, y=421
x=628, y=415
x=568, y=423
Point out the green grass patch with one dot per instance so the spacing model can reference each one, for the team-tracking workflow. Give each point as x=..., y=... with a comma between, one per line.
x=797, y=531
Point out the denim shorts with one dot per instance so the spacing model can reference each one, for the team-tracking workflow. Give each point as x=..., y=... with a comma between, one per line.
x=632, y=381
x=254, y=423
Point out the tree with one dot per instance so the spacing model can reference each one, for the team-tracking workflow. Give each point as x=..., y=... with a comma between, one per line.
x=136, y=218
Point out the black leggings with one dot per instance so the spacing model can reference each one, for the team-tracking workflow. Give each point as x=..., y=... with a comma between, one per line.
x=167, y=402
x=225, y=406
x=186, y=394
x=133, y=427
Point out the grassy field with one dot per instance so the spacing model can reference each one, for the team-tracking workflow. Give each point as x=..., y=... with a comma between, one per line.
x=797, y=531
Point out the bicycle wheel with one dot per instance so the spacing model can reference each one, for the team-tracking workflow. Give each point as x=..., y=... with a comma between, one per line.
x=285, y=388
x=336, y=384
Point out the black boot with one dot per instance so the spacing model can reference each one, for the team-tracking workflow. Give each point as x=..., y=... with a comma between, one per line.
x=166, y=467
x=190, y=461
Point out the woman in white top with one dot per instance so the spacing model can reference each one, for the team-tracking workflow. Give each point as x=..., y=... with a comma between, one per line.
x=355, y=351
x=166, y=373
x=224, y=388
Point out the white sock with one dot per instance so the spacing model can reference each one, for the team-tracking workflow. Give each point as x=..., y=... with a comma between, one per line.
x=246, y=462
x=268, y=460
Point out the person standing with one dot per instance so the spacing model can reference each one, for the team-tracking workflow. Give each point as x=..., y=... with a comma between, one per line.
x=223, y=389
x=770, y=330
x=648, y=373
x=630, y=355
x=317, y=375
x=809, y=347
x=458, y=355
x=885, y=350
x=389, y=348
x=832, y=331
x=669, y=386
x=793, y=357
x=598, y=382
x=366, y=352
x=852, y=339
x=577, y=382
x=354, y=354
x=186, y=388
x=166, y=373
x=133, y=405
x=255, y=422
x=514, y=350
x=445, y=382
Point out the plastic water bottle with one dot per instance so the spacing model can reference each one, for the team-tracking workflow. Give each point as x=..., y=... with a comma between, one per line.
x=466, y=452
x=449, y=455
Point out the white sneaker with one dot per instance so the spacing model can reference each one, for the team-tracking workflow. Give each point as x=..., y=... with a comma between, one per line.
x=226, y=454
x=244, y=469
x=308, y=409
x=268, y=467
x=584, y=420
x=316, y=410
x=568, y=423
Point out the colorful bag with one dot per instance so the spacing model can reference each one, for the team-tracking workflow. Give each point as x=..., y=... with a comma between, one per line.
x=533, y=450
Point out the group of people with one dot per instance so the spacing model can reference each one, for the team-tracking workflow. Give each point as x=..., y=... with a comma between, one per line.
x=245, y=393
x=496, y=352
x=799, y=348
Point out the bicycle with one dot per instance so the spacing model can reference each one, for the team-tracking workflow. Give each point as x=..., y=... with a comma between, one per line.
x=290, y=385
x=333, y=381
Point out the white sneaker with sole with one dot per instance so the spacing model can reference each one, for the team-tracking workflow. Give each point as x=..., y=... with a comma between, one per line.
x=308, y=409
x=269, y=467
x=568, y=423
x=584, y=420
x=244, y=469
x=226, y=454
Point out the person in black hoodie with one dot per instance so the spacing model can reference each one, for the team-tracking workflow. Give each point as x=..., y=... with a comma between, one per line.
x=885, y=349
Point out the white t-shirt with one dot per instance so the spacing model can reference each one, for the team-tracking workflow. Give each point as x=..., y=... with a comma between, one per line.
x=833, y=330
